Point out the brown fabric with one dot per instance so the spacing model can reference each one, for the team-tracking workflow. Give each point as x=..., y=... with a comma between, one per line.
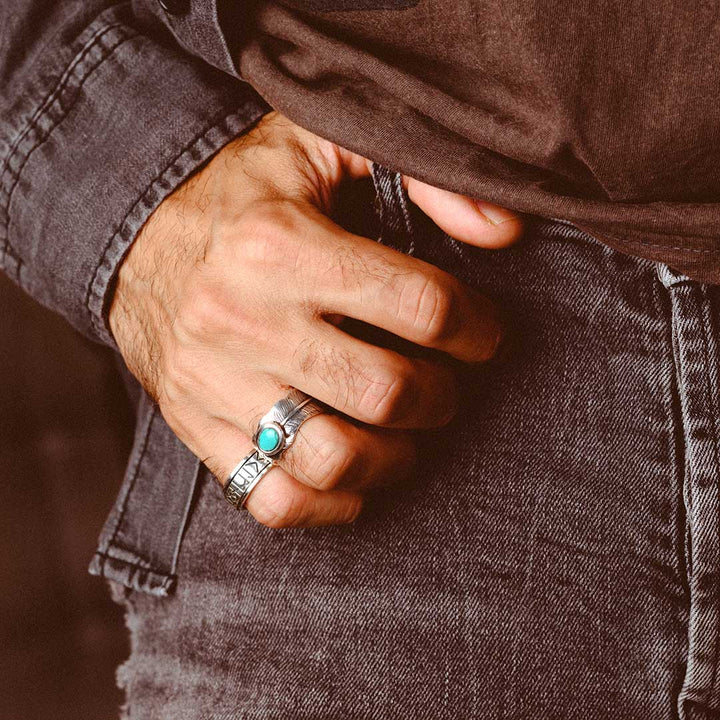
x=604, y=114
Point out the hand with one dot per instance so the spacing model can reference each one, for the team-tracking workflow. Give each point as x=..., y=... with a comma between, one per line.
x=232, y=292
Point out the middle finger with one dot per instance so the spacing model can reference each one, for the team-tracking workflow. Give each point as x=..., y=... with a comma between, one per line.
x=369, y=383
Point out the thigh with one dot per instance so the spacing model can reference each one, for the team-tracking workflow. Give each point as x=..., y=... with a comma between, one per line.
x=533, y=568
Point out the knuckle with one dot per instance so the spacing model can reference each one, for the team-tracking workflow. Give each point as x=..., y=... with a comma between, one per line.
x=278, y=509
x=180, y=372
x=383, y=401
x=329, y=464
x=202, y=312
x=430, y=305
x=262, y=233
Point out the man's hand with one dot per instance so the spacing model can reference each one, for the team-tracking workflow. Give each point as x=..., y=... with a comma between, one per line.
x=232, y=292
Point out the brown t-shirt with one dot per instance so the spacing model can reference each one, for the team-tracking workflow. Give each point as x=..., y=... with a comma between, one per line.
x=605, y=114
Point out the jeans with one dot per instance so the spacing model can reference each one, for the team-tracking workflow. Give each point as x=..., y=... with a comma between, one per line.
x=554, y=556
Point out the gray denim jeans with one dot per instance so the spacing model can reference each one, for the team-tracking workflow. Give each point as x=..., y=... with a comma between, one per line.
x=555, y=556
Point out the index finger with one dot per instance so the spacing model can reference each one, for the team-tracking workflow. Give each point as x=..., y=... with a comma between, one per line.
x=467, y=219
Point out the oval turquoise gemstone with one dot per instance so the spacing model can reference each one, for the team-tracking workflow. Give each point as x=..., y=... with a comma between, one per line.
x=269, y=439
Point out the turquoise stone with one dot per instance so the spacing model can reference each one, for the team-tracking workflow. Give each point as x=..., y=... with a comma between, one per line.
x=269, y=439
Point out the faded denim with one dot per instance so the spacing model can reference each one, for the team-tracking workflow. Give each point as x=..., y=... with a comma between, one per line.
x=555, y=556
x=102, y=116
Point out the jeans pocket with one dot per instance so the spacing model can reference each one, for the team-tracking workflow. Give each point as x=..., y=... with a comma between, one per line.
x=140, y=542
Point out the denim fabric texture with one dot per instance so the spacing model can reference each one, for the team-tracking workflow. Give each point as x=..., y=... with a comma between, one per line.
x=103, y=116
x=695, y=333
x=554, y=556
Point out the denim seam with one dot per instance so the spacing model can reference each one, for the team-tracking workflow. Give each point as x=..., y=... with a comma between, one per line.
x=51, y=102
x=136, y=472
x=674, y=411
x=402, y=199
x=186, y=516
x=168, y=580
x=712, y=403
x=138, y=564
x=396, y=227
x=697, y=347
x=46, y=100
x=714, y=424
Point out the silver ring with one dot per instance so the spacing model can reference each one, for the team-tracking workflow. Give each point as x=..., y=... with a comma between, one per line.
x=246, y=475
x=278, y=428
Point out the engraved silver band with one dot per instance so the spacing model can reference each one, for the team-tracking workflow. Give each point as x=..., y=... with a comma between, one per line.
x=246, y=475
x=283, y=421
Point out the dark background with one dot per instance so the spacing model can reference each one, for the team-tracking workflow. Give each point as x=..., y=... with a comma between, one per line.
x=65, y=432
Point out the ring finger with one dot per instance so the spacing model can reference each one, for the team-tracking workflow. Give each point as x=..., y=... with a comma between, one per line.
x=278, y=500
x=328, y=451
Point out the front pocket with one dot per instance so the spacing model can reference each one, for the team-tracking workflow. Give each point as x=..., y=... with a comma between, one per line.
x=140, y=542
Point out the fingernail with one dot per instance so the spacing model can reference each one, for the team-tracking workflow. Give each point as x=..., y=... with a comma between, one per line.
x=494, y=214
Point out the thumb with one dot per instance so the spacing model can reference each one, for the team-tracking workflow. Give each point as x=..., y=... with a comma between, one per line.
x=471, y=221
